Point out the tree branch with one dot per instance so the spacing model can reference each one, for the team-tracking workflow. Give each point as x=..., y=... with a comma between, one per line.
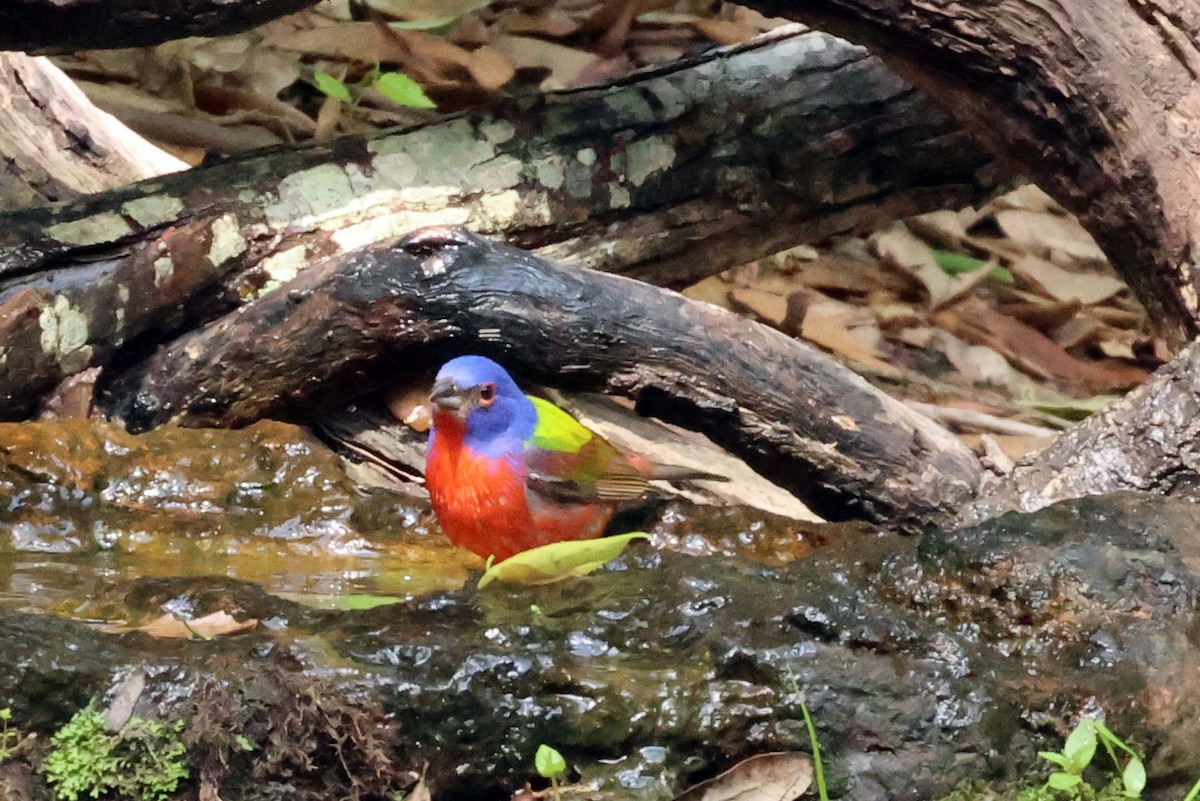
x=669, y=176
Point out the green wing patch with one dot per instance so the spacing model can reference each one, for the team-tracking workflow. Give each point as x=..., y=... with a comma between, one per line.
x=556, y=430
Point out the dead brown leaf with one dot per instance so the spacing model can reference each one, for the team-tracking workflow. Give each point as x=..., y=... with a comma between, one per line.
x=780, y=776
x=565, y=63
x=1087, y=288
x=352, y=41
x=170, y=627
x=711, y=290
x=768, y=306
x=898, y=248
x=723, y=31
x=845, y=330
x=1042, y=234
x=490, y=69
x=1013, y=446
x=1034, y=352
x=551, y=22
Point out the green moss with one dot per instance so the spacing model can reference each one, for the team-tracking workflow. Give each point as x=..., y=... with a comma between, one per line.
x=143, y=761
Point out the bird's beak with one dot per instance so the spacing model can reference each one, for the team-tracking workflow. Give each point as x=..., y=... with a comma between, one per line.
x=448, y=396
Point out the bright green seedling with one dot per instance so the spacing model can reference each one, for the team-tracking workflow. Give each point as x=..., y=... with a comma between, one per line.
x=11, y=739
x=1077, y=754
x=956, y=264
x=395, y=86
x=550, y=765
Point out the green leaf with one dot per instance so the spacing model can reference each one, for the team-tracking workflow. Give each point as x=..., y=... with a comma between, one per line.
x=559, y=560
x=548, y=762
x=1002, y=275
x=1081, y=745
x=1063, y=781
x=403, y=91
x=1055, y=757
x=6, y=713
x=1134, y=778
x=333, y=87
x=359, y=602
x=956, y=263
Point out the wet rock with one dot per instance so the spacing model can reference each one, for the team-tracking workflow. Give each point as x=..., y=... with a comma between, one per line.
x=924, y=662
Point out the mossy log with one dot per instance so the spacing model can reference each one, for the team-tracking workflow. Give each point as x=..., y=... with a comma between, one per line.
x=668, y=176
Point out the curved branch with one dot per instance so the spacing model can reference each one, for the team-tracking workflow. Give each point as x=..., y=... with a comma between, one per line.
x=1097, y=101
x=670, y=176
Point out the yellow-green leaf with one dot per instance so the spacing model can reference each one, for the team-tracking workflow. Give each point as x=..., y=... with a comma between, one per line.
x=403, y=91
x=559, y=560
x=548, y=762
x=332, y=86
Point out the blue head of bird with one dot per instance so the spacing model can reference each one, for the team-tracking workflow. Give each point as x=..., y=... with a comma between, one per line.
x=483, y=396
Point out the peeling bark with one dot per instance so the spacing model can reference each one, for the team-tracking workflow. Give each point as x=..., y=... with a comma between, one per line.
x=668, y=176
x=1097, y=101
x=796, y=415
x=64, y=26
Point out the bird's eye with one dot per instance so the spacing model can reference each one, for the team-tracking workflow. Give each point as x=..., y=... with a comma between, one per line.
x=487, y=394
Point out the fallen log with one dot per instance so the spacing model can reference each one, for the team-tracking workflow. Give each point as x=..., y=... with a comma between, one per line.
x=648, y=177
x=795, y=415
x=55, y=145
x=1097, y=102
x=55, y=26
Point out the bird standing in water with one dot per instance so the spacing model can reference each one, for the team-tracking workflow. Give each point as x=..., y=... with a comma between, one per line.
x=508, y=472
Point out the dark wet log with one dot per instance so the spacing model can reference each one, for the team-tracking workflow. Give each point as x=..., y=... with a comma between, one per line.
x=64, y=26
x=1098, y=102
x=669, y=176
x=796, y=415
x=923, y=665
x=1148, y=440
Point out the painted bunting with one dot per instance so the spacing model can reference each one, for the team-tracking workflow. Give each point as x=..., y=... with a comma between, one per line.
x=508, y=471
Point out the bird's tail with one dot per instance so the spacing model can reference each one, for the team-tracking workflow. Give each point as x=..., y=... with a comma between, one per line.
x=670, y=472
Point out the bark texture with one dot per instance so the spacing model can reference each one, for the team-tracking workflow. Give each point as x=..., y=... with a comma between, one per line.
x=796, y=415
x=647, y=177
x=55, y=145
x=64, y=26
x=1148, y=440
x=1098, y=102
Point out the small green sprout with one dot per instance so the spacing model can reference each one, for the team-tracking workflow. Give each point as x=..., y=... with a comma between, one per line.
x=11, y=740
x=814, y=743
x=1077, y=754
x=550, y=764
x=395, y=86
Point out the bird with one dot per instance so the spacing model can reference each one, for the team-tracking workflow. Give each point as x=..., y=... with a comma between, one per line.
x=507, y=472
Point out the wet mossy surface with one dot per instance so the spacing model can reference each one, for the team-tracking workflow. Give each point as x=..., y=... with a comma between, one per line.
x=925, y=661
